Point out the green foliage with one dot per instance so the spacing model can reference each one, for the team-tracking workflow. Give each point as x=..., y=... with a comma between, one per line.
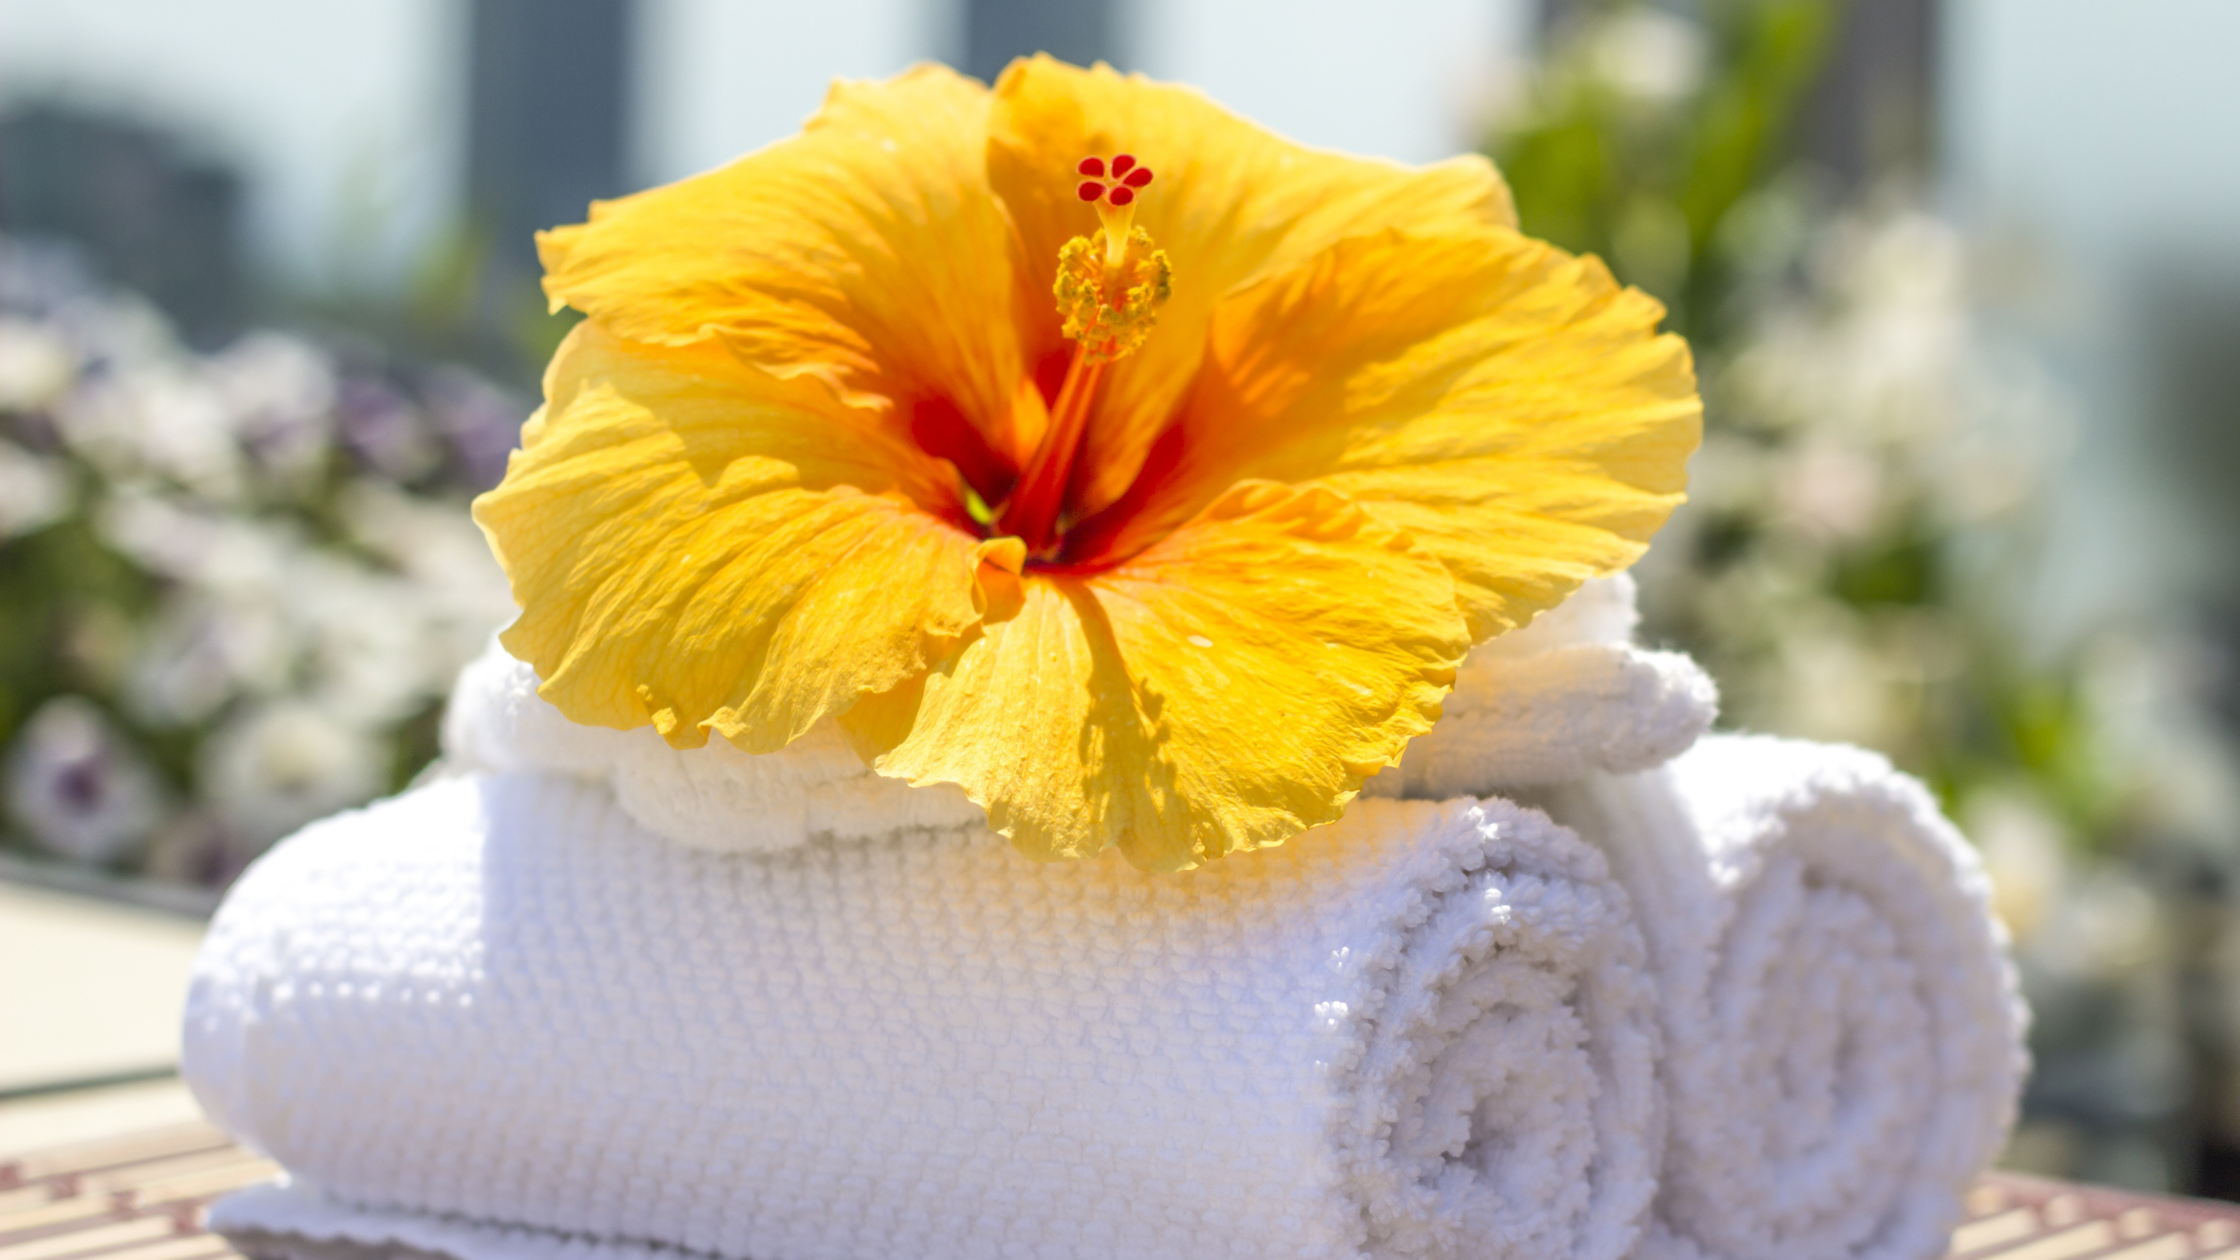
x=1667, y=145
x=1645, y=133
x=64, y=592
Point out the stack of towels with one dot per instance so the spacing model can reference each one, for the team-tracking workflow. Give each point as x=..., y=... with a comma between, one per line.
x=1574, y=981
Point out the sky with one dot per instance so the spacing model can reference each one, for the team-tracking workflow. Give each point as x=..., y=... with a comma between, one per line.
x=345, y=113
x=340, y=113
x=2100, y=123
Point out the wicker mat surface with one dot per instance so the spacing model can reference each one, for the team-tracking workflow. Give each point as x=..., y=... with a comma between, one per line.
x=142, y=1198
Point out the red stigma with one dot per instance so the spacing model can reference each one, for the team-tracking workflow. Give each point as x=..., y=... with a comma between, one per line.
x=1125, y=176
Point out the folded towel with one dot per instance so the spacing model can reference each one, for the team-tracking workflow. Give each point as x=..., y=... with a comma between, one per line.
x=496, y=1019
x=1565, y=696
x=1520, y=722
x=1843, y=1039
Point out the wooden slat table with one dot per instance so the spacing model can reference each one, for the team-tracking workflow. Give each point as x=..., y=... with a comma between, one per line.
x=2025, y=1218
x=142, y=1198
x=133, y=1198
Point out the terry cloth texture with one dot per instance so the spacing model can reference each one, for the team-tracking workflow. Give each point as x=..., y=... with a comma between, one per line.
x=1842, y=1032
x=1565, y=696
x=495, y=1018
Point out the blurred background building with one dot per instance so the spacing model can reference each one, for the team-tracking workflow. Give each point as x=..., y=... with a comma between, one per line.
x=1961, y=275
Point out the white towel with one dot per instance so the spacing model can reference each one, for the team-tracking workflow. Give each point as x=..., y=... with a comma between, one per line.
x=1520, y=722
x=1565, y=696
x=1843, y=1038
x=494, y=1018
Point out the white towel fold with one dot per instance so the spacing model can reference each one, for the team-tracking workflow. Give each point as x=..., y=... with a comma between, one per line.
x=494, y=1018
x=1843, y=1039
x=1565, y=696
x=1521, y=722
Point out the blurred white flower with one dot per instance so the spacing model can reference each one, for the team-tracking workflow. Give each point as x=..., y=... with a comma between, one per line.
x=1909, y=261
x=259, y=609
x=389, y=644
x=291, y=621
x=1727, y=473
x=112, y=330
x=193, y=544
x=36, y=365
x=159, y=419
x=281, y=392
x=1831, y=487
x=200, y=653
x=273, y=768
x=2107, y=928
x=436, y=546
x=2022, y=847
x=231, y=623
x=77, y=787
x=34, y=491
x=1766, y=231
x=1889, y=353
x=1652, y=56
x=2143, y=693
x=367, y=656
x=1997, y=464
x=1838, y=684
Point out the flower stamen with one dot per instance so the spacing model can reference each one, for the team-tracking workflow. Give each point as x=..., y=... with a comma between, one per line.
x=1110, y=286
x=1109, y=289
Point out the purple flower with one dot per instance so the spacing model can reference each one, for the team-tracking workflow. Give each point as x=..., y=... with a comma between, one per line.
x=77, y=787
x=384, y=430
x=482, y=422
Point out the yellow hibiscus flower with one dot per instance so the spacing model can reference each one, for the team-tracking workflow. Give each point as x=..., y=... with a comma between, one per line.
x=1076, y=442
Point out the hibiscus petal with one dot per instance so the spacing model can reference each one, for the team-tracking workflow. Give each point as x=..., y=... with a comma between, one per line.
x=1232, y=202
x=1225, y=690
x=1506, y=403
x=867, y=252
x=698, y=545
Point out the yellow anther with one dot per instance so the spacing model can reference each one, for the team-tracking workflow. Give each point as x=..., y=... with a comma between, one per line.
x=1109, y=320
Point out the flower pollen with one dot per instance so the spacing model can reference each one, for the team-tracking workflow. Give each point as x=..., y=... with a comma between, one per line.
x=1109, y=288
x=1111, y=309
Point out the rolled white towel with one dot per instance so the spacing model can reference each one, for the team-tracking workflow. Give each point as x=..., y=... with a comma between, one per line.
x=1843, y=1037
x=493, y=1018
x=1522, y=722
x=1565, y=696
